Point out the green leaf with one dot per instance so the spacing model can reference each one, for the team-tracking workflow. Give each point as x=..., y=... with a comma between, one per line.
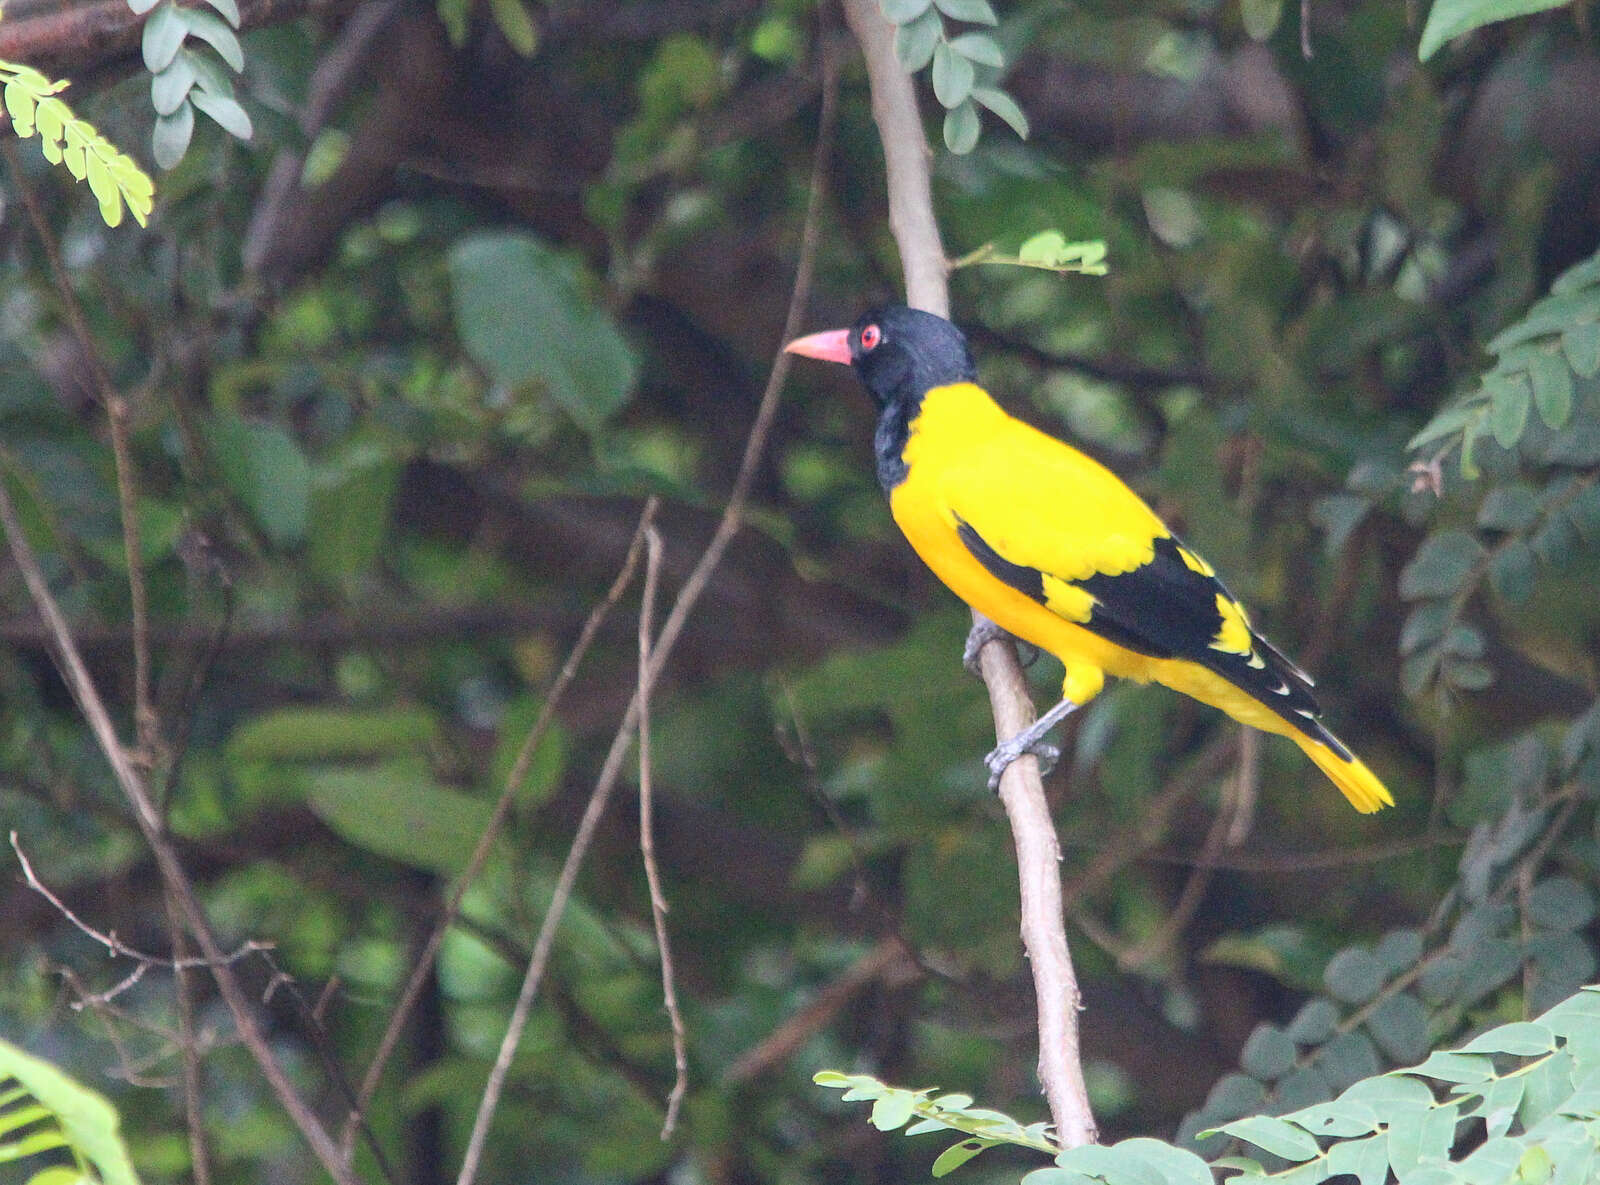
x=1314, y=1023
x=1525, y=1038
x=1441, y=565
x=1004, y=106
x=1580, y=1013
x=1583, y=511
x=1273, y=1135
x=227, y=113
x=1366, y=1160
x=170, y=87
x=1268, y=1053
x=214, y=31
x=169, y=139
x=1449, y=19
x=1552, y=387
x=1511, y=572
x=915, y=41
x=1353, y=975
x=1468, y=676
x=1561, y=903
x=1347, y=1059
x=1510, y=397
x=903, y=12
x=974, y=12
x=961, y=128
x=1341, y=1118
x=352, y=500
x=332, y=734
x=164, y=31
x=1581, y=344
x=957, y=1155
x=1425, y=626
x=1512, y=507
x=1399, y=1025
x=1548, y=1085
x=264, y=467
x=1553, y=314
x=1399, y=950
x=1450, y=419
x=1169, y=1165
x=1579, y=275
x=892, y=1109
x=523, y=316
x=1449, y=1066
x=980, y=48
x=1339, y=515
x=227, y=9
x=516, y=24
x=952, y=76
x=1260, y=17
x=398, y=810
x=87, y=1123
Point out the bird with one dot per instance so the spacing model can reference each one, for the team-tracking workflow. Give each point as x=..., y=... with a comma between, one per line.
x=1053, y=548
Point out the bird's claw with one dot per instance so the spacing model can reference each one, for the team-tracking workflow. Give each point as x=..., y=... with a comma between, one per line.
x=985, y=631
x=1006, y=752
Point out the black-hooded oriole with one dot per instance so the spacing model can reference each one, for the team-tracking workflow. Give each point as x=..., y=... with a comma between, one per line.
x=1052, y=547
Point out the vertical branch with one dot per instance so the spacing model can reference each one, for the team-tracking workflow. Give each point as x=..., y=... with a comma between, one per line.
x=688, y=596
x=647, y=843
x=188, y=1048
x=131, y=782
x=905, y=150
x=121, y=450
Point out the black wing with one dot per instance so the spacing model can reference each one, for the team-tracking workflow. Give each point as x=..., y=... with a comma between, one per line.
x=1168, y=608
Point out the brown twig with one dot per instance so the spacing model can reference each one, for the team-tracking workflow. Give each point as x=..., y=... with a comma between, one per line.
x=905, y=150
x=890, y=961
x=116, y=409
x=727, y=526
x=131, y=782
x=188, y=1049
x=502, y=808
x=647, y=842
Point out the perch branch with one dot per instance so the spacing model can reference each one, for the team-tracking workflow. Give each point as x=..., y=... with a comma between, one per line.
x=905, y=150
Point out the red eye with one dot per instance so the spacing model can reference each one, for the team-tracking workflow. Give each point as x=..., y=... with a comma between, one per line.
x=870, y=337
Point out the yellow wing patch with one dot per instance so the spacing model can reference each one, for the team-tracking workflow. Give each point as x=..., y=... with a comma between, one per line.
x=1067, y=600
x=1195, y=563
x=1234, y=635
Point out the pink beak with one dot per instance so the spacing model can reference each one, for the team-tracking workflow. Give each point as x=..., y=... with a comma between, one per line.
x=831, y=345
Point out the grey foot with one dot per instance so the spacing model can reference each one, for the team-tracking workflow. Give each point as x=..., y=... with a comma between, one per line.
x=985, y=631
x=1029, y=740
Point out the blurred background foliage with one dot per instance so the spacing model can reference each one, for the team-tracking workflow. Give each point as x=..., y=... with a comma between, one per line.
x=403, y=365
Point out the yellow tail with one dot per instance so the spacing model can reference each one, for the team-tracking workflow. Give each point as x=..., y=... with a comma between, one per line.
x=1355, y=781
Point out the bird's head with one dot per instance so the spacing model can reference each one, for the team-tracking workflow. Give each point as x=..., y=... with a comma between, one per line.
x=899, y=353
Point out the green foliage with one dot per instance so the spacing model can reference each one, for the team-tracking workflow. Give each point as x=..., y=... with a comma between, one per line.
x=1544, y=361
x=1449, y=19
x=184, y=80
x=1049, y=251
x=42, y=1111
x=967, y=68
x=525, y=318
x=1529, y=1083
x=114, y=178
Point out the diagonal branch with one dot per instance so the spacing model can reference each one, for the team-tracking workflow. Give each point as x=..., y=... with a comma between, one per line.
x=905, y=151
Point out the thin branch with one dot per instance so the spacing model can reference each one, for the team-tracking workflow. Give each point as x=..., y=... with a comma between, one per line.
x=891, y=961
x=116, y=409
x=131, y=782
x=502, y=808
x=647, y=842
x=683, y=605
x=110, y=941
x=905, y=150
x=188, y=1050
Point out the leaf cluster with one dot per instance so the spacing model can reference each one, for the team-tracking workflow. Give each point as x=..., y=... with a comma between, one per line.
x=966, y=68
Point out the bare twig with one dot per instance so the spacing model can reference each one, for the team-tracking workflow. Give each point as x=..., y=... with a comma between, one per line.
x=890, y=961
x=727, y=526
x=647, y=842
x=109, y=940
x=911, y=218
x=116, y=409
x=502, y=808
x=131, y=782
x=188, y=1050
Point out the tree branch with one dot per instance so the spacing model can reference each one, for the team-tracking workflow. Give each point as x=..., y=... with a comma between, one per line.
x=1044, y=935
